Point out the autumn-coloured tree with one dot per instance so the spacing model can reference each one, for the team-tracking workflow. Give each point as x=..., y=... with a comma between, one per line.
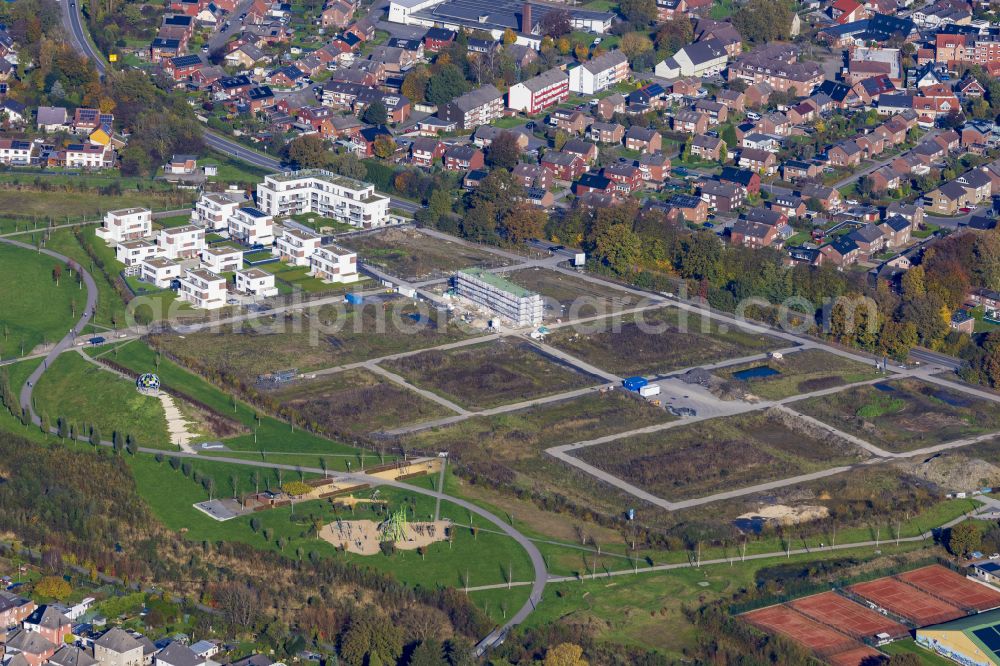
x=523, y=223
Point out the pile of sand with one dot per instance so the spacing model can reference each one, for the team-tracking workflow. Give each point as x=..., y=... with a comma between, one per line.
x=362, y=536
x=954, y=472
x=788, y=515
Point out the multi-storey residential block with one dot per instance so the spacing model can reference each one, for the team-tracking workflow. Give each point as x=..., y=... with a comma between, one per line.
x=539, y=92
x=88, y=156
x=126, y=224
x=251, y=226
x=184, y=242
x=133, y=253
x=222, y=259
x=202, y=288
x=159, y=271
x=15, y=152
x=213, y=210
x=334, y=264
x=599, y=74
x=326, y=194
x=477, y=107
x=296, y=246
x=255, y=282
x=506, y=299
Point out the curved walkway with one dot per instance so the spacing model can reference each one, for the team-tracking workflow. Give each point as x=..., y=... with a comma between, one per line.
x=67, y=341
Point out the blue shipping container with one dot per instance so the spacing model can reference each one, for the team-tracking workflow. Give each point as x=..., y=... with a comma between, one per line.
x=634, y=383
x=354, y=299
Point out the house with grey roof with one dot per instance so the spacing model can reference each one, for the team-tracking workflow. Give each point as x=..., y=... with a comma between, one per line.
x=476, y=107
x=117, y=647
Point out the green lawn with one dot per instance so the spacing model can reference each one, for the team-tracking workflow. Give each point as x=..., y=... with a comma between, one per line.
x=110, y=307
x=485, y=558
x=271, y=434
x=72, y=206
x=73, y=388
x=233, y=171
x=909, y=646
x=28, y=282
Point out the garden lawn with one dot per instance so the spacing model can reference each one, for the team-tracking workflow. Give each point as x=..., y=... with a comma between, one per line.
x=28, y=283
x=75, y=389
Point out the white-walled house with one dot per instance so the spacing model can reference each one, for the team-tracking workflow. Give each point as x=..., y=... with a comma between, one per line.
x=160, y=271
x=334, y=264
x=222, y=259
x=255, y=282
x=324, y=193
x=296, y=246
x=203, y=289
x=251, y=226
x=600, y=73
x=126, y=224
x=184, y=242
x=133, y=253
x=213, y=210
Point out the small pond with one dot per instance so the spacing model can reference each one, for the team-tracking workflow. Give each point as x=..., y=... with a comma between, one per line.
x=756, y=373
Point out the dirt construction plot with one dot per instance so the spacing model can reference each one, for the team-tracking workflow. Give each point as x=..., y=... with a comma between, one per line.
x=798, y=372
x=854, y=657
x=571, y=297
x=658, y=341
x=489, y=374
x=833, y=610
x=356, y=401
x=953, y=588
x=722, y=453
x=320, y=337
x=906, y=601
x=783, y=620
x=411, y=255
x=905, y=414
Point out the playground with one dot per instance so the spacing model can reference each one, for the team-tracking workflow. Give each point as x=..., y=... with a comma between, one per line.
x=365, y=537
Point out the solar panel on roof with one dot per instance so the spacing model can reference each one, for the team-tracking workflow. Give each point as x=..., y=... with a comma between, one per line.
x=989, y=637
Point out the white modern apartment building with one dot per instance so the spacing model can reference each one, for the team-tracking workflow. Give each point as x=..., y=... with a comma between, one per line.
x=184, y=242
x=133, y=253
x=602, y=72
x=334, y=264
x=203, y=289
x=255, y=282
x=222, y=259
x=126, y=224
x=516, y=304
x=251, y=226
x=213, y=210
x=159, y=271
x=296, y=246
x=324, y=193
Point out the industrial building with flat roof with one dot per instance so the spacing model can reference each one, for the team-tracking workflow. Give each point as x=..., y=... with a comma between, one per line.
x=494, y=16
x=969, y=640
x=511, y=302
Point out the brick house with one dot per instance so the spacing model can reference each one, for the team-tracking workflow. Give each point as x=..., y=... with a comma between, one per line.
x=707, y=147
x=564, y=166
x=463, y=158
x=722, y=197
x=758, y=160
x=425, y=151
x=655, y=167
x=746, y=233
x=606, y=132
x=643, y=139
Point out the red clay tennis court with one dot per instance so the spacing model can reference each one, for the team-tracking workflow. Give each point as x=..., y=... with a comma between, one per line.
x=834, y=610
x=852, y=657
x=952, y=587
x=783, y=620
x=907, y=601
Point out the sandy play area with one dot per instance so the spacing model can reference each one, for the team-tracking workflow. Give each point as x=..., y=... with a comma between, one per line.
x=362, y=536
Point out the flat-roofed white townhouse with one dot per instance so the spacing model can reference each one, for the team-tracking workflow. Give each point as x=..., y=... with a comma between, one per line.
x=159, y=271
x=334, y=264
x=202, y=288
x=324, y=193
x=133, y=253
x=89, y=156
x=15, y=152
x=222, y=259
x=184, y=242
x=255, y=282
x=126, y=224
x=599, y=73
x=296, y=246
x=116, y=647
x=213, y=210
x=251, y=226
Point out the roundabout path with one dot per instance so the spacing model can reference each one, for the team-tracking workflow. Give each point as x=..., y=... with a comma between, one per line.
x=495, y=637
